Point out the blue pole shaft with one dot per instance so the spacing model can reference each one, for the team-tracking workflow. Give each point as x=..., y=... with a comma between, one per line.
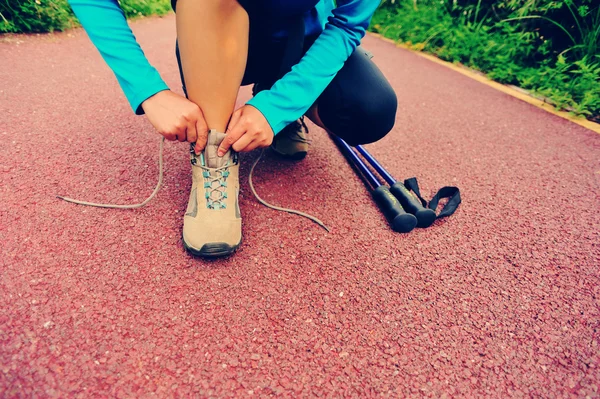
x=376, y=165
x=358, y=162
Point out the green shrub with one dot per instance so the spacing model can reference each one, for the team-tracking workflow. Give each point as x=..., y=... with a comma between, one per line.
x=576, y=27
x=548, y=47
x=35, y=15
x=49, y=15
x=570, y=85
x=138, y=8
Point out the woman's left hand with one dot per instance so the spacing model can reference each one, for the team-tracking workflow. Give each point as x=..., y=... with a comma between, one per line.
x=248, y=129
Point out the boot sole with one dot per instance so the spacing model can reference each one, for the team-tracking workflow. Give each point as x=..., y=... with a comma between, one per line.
x=300, y=155
x=212, y=249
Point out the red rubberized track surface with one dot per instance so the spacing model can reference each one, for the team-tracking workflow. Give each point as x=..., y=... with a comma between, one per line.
x=500, y=300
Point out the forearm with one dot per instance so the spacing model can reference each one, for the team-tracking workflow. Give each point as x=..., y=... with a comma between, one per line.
x=107, y=28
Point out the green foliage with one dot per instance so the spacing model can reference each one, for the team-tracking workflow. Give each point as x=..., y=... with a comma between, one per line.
x=570, y=85
x=135, y=8
x=581, y=25
x=24, y=16
x=549, y=47
x=35, y=15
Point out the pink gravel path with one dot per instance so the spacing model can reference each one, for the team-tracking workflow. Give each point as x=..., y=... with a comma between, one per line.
x=501, y=300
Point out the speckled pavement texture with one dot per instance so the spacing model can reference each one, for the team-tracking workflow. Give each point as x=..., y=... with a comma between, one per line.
x=500, y=300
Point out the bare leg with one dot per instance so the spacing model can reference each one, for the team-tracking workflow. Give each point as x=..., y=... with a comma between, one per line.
x=213, y=44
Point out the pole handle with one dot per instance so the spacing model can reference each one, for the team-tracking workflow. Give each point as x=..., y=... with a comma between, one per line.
x=400, y=221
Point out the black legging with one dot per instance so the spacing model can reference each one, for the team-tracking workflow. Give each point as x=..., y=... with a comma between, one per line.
x=359, y=105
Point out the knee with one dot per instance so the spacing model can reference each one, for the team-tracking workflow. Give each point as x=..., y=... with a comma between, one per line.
x=373, y=116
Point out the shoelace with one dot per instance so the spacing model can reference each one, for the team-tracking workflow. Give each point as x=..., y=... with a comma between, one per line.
x=218, y=175
x=160, y=181
x=128, y=206
x=278, y=208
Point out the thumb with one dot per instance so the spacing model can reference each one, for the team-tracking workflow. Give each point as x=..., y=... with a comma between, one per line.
x=233, y=133
x=235, y=118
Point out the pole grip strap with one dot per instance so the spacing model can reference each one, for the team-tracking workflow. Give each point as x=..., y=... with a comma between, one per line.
x=450, y=192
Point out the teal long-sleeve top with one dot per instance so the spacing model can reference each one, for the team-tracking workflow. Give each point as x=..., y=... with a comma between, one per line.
x=340, y=30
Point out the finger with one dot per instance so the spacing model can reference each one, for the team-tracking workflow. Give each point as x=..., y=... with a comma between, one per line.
x=265, y=143
x=202, y=132
x=235, y=118
x=252, y=146
x=242, y=143
x=170, y=136
x=233, y=135
x=192, y=136
x=181, y=134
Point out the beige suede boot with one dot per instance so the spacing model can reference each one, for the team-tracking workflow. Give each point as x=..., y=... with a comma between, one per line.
x=212, y=225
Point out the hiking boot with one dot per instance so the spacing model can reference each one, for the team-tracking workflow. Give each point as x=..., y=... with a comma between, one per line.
x=291, y=142
x=212, y=225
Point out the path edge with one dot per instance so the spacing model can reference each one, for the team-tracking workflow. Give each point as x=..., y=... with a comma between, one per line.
x=511, y=91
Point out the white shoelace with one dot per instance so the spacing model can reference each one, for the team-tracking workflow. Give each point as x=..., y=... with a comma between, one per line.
x=128, y=206
x=160, y=181
x=278, y=208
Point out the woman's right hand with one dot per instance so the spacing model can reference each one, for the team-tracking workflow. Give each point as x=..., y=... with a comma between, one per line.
x=177, y=118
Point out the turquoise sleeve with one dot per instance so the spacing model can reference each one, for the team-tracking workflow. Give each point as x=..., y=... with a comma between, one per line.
x=106, y=25
x=292, y=95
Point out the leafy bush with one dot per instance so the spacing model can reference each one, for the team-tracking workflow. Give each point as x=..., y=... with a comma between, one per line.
x=49, y=15
x=570, y=85
x=135, y=8
x=549, y=47
x=35, y=15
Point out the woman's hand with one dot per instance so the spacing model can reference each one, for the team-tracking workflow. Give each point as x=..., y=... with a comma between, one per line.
x=177, y=118
x=248, y=129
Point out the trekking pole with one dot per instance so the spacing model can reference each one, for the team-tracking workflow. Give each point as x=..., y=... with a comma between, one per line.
x=425, y=216
x=389, y=205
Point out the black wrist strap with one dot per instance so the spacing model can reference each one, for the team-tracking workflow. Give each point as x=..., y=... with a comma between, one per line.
x=450, y=192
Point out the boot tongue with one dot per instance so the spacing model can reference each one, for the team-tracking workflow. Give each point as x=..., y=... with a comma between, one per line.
x=210, y=152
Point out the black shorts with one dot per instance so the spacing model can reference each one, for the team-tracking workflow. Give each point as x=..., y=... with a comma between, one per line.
x=359, y=105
